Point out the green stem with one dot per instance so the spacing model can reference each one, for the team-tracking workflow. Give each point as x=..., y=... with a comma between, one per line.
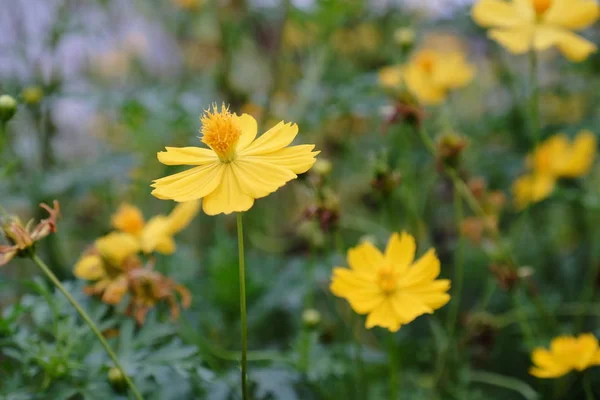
x=534, y=98
x=393, y=367
x=587, y=387
x=50, y=275
x=526, y=329
x=459, y=269
x=358, y=361
x=240, y=232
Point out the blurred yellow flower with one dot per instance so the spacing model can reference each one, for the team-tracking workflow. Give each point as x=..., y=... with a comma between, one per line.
x=391, y=288
x=390, y=77
x=106, y=265
x=566, y=353
x=553, y=159
x=431, y=74
x=238, y=168
x=157, y=233
x=520, y=25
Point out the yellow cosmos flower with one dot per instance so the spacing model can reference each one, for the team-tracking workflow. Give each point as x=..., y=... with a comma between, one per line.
x=390, y=77
x=391, y=288
x=566, y=353
x=106, y=265
x=521, y=25
x=237, y=168
x=156, y=234
x=553, y=159
x=431, y=74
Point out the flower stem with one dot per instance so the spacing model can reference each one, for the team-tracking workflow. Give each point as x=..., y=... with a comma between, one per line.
x=459, y=269
x=242, y=269
x=534, y=98
x=393, y=367
x=587, y=387
x=50, y=275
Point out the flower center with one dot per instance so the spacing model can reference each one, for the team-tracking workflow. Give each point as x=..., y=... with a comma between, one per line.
x=220, y=132
x=541, y=6
x=387, y=278
x=426, y=61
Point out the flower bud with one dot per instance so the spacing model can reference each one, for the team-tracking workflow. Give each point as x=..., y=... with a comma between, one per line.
x=32, y=95
x=8, y=107
x=311, y=318
x=404, y=36
x=117, y=379
x=322, y=167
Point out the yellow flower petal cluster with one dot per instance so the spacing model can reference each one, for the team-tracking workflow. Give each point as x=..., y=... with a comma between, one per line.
x=553, y=159
x=430, y=74
x=392, y=288
x=566, y=354
x=156, y=234
x=237, y=168
x=522, y=25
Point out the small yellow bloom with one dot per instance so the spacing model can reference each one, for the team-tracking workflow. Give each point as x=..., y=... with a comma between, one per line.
x=157, y=234
x=391, y=288
x=237, y=168
x=553, y=159
x=431, y=74
x=390, y=77
x=521, y=25
x=566, y=353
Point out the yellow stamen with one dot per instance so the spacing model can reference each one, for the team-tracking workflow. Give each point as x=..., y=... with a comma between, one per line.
x=541, y=6
x=220, y=132
x=426, y=60
x=387, y=278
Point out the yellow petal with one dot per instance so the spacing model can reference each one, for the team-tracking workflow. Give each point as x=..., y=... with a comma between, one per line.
x=192, y=184
x=166, y=245
x=257, y=178
x=422, y=86
x=516, y=39
x=182, y=215
x=432, y=294
x=249, y=129
x=400, y=251
x=530, y=189
x=298, y=159
x=408, y=307
x=186, y=156
x=390, y=77
x=383, y=316
x=365, y=258
x=128, y=219
x=498, y=13
x=545, y=365
x=362, y=293
x=90, y=268
x=581, y=157
x=453, y=71
x=424, y=270
x=115, y=290
x=117, y=246
x=155, y=231
x=588, y=347
x=228, y=197
x=274, y=139
x=573, y=46
x=572, y=14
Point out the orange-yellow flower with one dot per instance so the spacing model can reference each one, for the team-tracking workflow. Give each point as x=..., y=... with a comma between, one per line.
x=157, y=233
x=566, y=354
x=430, y=74
x=237, y=168
x=521, y=25
x=391, y=288
x=553, y=159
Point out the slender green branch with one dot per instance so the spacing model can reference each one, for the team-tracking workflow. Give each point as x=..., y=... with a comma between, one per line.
x=534, y=98
x=393, y=360
x=459, y=268
x=50, y=275
x=242, y=269
x=506, y=382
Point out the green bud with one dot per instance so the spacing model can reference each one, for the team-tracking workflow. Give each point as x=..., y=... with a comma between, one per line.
x=117, y=379
x=311, y=318
x=8, y=108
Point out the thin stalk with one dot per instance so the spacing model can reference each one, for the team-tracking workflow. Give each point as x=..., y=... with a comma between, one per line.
x=50, y=275
x=587, y=294
x=393, y=367
x=587, y=387
x=242, y=269
x=459, y=268
x=358, y=360
x=534, y=98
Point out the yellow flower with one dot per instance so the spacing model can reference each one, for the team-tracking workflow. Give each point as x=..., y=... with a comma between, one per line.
x=238, y=168
x=390, y=77
x=392, y=288
x=567, y=353
x=431, y=74
x=553, y=159
x=106, y=265
x=520, y=25
x=157, y=233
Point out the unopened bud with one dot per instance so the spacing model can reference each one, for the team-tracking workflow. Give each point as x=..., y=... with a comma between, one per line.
x=311, y=318
x=32, y=94
x=8, y=107
x=117, y=379
x=322, y=167
x=404, y=36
